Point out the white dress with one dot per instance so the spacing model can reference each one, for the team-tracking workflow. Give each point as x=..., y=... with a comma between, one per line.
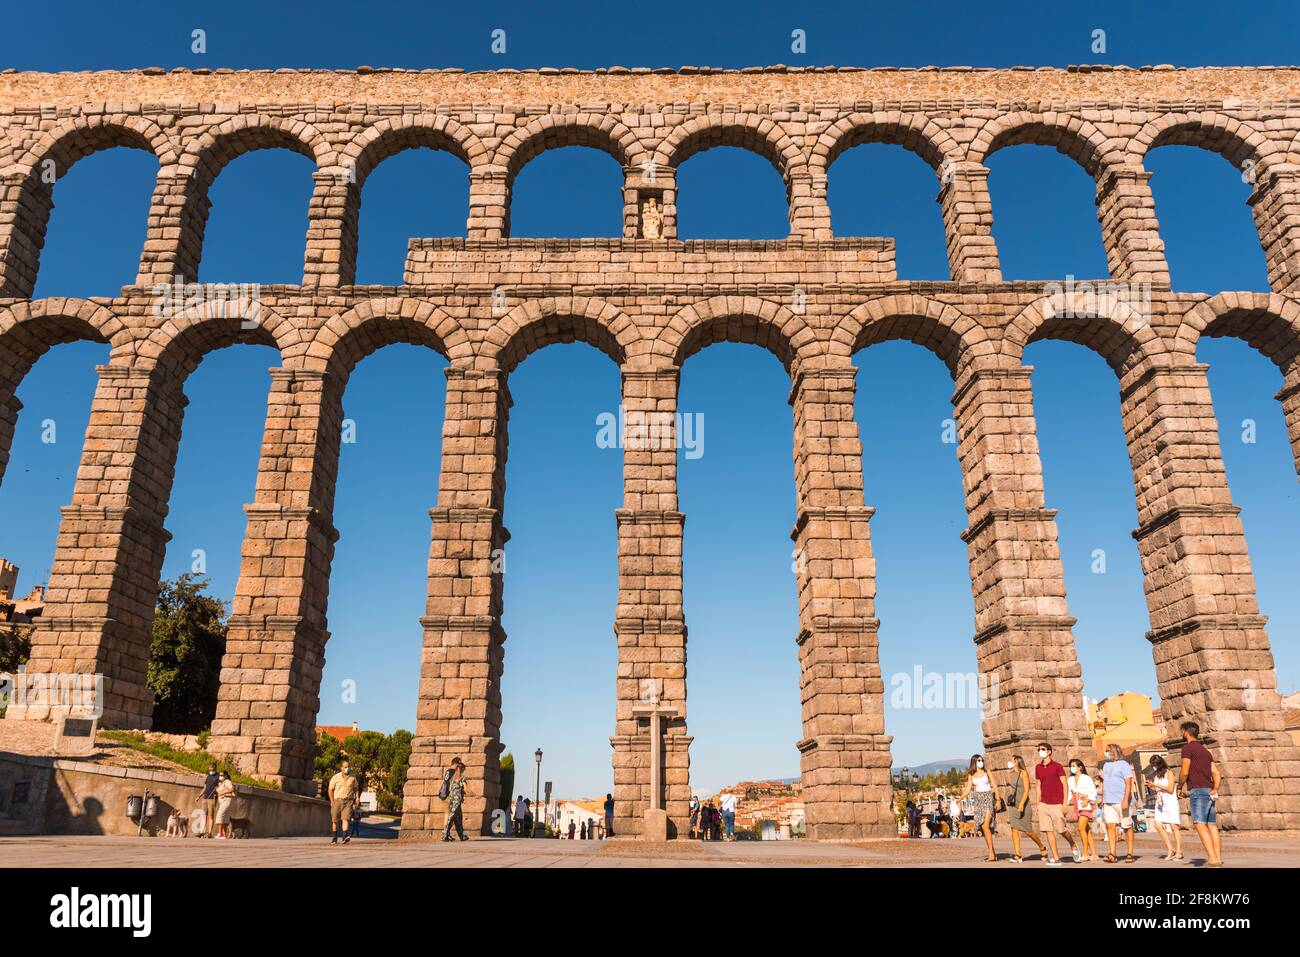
x=1166, y=803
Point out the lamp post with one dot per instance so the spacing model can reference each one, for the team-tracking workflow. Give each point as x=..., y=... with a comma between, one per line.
x=537, y=792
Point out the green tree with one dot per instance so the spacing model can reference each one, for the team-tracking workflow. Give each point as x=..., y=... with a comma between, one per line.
x=189, y=638
x=507, y=781
x=395, y=756
x=329, y=756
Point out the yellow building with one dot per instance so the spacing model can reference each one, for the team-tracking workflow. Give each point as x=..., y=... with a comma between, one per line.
x=1126, y=719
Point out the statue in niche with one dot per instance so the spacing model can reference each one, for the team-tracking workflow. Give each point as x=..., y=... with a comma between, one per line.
x=652, y=220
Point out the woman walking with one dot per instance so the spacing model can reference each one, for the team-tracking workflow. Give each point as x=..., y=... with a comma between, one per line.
x=1019, y=816
x=225, y=798
x=1082, y=793
x=979, y=783
x=1168, y=820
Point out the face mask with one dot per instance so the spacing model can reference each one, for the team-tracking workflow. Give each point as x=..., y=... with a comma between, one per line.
x=1042, y=754
x=1075, y=770
x=1011, y=765
x=979, y=764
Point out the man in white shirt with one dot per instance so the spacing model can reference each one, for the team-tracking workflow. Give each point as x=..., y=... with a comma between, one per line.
x=728, y=805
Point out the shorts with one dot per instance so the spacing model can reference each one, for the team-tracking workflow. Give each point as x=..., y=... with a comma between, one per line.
x=1202, y=808
x=1115, y=815
x=340, y=810
x=1051, y=818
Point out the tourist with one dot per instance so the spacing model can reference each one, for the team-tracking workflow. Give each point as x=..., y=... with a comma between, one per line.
x=520, y=815
x=1200, y=779
x=1019, y=816
x=695, y=816
x=729, y=815
x=609, y=815
x=455, y=802
x=1116, y=797
x=1051, y=803
x=528, y=817
x=955, y=816
x=210, y=800
x=1083, y=807
x=980, y=789
x=573, y=827
x=913, y=815
x=225, y=798
x=342, y=792
x=1168, y=818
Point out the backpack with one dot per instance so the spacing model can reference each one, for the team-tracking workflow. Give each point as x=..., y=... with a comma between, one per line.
x=445, y=790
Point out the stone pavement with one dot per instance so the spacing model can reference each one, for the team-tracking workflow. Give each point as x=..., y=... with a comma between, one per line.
x=119, y=852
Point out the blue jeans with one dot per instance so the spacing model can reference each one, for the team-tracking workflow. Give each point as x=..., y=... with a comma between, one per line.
x=729, y=822
x=1202, y=808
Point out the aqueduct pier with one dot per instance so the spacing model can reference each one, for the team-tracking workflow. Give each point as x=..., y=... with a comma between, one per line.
x=650, y=301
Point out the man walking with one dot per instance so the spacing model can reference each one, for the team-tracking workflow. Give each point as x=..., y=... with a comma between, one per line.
x=342, y=793
x=521, y=816
x=609, y=815
x=1199, y=779
x=729, y=815
x=210, y=800
x=455, y=799
x=1117, y=782
x=1051, y=803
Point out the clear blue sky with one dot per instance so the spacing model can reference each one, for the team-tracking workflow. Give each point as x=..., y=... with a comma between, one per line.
x=562, y=489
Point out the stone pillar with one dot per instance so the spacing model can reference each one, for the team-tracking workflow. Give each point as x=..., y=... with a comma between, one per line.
x=460, y=674
x=1212, y=655
x=25, y=205
x=968, y=222
x=275, y=644
x=332, y=216
x=173, y=241
x=103, y=587
x=1276, y=205
x=10, y=406
x=810, y=212
x=1029, y=674
x=1135, y=253
x=649, y=181
x=1289, y=396
x=650, y=624
x=844, y=754
x=489, y=204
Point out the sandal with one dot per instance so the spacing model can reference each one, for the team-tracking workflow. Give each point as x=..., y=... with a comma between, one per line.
x=1130, y=859
x=1111, y=859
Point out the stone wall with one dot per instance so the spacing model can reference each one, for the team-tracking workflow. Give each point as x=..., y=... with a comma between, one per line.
x=485, y=302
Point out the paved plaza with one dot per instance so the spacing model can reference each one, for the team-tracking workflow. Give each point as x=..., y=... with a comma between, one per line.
x=120, y=852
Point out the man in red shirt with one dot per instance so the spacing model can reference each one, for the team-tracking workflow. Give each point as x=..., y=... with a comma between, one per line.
x=1051, y=803
x=1199, y=780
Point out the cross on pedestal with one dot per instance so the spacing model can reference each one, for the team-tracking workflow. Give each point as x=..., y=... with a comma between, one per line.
x=656, y=818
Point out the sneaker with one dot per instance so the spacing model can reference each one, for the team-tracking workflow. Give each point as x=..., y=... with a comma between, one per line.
x=1077, y=853
x=347, y=840
x=1053, y=862
x=334, y=839
x=464, y=838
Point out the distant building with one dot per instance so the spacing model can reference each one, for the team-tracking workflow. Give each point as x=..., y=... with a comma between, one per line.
x=1291, y=704
x=18, y=611
x=339, y=732
x=778, y=802
x=1126, y=719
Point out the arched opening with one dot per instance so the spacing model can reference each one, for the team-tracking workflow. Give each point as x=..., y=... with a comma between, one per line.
x=1087, y=478
x=416, y=193
x=906, y=210
x=1259, y=460
x=561, y=571
x=571, y=191
x=1044, y=215
x=912, y=478
x=256, y=230
x=739, y=588
x=730, y=192
x=390, y=455
x=98, y=225
x=1211, y=242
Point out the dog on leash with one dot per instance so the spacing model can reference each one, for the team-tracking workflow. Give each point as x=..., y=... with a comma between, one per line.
x=177, y=826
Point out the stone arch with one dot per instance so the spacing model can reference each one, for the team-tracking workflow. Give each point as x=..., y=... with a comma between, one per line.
x=206, y=156
x=30, y=329
x=23, y=222
x=346, y=339
x=1269, y=323
x=1094, y=318
x=536, y=323
x=600, y=131
x=1070, y=135
x=917, y=134
x=176, y=347
x=1234, y=140
x=953, y=336
x=747, y=319
x=393, y=135
x=755, y=132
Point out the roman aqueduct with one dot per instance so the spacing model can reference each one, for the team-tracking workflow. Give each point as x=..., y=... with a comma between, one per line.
x=487, y=301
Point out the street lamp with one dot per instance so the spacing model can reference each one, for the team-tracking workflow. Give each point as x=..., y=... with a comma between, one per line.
x=537, y=792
